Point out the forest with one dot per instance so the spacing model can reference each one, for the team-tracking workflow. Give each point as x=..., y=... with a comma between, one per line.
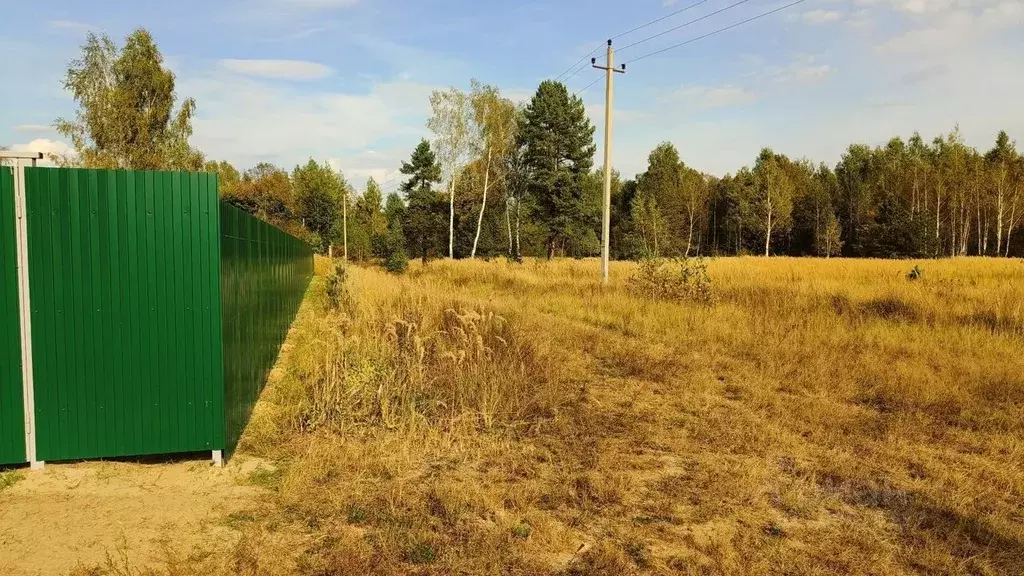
x=504, y=179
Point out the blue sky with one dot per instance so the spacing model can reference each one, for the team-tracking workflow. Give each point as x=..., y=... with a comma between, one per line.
x=347, y=80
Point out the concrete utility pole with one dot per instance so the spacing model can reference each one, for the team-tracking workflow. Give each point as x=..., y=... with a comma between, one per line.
x=606, y=224
x=344, y=224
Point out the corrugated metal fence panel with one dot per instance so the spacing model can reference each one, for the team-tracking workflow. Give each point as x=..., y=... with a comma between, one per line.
x=124, y=275
x=12, y=417
x=264, y=276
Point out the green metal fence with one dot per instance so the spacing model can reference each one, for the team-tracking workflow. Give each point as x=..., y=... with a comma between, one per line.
x=12, y=417
x=156, y=313
x=264, y=275
x=124, y=276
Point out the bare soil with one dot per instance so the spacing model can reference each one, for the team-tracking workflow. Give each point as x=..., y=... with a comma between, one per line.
x=92, y=513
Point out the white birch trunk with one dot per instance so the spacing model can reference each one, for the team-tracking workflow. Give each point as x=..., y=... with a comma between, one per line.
x=483, y=205
x=508, y=224
x=451, y=219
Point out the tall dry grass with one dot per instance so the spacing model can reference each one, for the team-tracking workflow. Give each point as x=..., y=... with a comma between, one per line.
x=815, y=417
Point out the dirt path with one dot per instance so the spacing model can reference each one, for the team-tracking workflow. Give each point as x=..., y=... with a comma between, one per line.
x=77, y=514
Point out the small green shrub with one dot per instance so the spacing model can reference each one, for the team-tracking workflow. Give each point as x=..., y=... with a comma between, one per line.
x=676, y=279
x=337, y=288
x=10, y=478
x=522, y=530
x=916, y=273
x=397, y=261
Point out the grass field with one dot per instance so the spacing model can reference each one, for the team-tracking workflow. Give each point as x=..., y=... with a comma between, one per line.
x=815, y=417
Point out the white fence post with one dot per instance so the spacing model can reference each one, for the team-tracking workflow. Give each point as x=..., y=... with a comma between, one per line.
x=25, y=304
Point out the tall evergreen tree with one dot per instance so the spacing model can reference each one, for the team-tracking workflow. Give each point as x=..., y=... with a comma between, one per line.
x=558, y=142
x=423, y=223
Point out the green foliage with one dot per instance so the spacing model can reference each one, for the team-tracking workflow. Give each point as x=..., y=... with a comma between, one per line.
x=394, y=211
x=828, y=239
x=126, y=117
x=916, y=273
x=228, y=176
x=336, y=288
x=360, y=247
x=397, y=262
x=558, y=148
x=773, y=196
x=371, y=220
x=423, y=222
x=9, y=478
x=675, y=279
x=522, y=530
x=264, y=191
x=318, y=197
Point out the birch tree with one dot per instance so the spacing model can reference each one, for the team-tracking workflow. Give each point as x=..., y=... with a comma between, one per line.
x=773, y=196
x=1016, y=203
x=695, y=194
x=450, y=121
x=126, y=115
x=494, y=124
x=1001, y=161
x=516, y=186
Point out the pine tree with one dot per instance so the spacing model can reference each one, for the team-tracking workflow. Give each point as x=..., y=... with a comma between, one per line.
x=423, y=223
x=558, y=142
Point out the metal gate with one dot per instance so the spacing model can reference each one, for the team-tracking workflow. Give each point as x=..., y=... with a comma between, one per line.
x=125, y=278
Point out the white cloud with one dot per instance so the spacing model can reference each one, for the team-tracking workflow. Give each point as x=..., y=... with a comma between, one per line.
x=33, y=128
x=247, y=120
x=1007, y=13
x=712, y=96
x=820, y=16
x=47, y=147
x=942, y=34
x=519, y=95
x=278, y=69
x=381, y=165
x=302, y=34
x=71, y=25
x=804, y=73
x=719, y=96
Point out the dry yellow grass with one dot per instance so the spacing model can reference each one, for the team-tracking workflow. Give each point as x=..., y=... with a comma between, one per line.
x=820, y=417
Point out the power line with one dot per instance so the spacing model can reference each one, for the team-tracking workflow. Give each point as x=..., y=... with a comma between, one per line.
x=655, y=21
x=729, y=27
x=587, y=86
x=621, y=34
x=588, y=55
x=575, y=72
x=683, y=25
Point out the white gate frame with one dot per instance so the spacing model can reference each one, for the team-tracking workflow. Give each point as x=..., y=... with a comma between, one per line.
x=24, y=303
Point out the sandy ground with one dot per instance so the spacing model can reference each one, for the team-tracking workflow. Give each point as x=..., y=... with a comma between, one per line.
x=76, y=514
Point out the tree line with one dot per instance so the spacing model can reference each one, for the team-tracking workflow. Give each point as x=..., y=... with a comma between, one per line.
x=501, y=179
